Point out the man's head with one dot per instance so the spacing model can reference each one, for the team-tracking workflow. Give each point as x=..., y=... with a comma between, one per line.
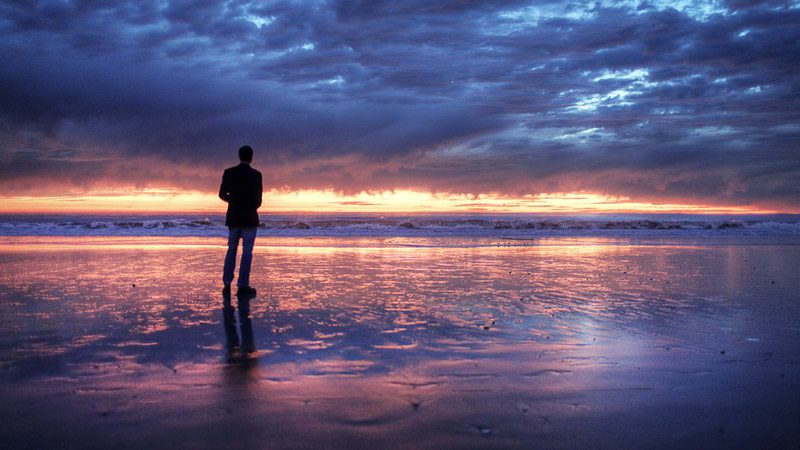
x=245, y=154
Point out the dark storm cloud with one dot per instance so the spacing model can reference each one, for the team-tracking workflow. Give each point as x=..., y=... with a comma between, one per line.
x=627, y=98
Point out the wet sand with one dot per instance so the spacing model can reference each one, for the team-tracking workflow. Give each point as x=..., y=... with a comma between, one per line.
x=401, y=343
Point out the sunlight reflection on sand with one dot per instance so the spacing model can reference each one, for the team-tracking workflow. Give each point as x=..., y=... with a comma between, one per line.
x=420, y=342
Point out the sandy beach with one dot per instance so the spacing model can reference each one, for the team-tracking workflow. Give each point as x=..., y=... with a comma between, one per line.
x=401, y=343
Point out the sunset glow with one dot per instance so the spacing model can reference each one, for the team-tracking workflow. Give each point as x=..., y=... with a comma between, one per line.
x=164, y=201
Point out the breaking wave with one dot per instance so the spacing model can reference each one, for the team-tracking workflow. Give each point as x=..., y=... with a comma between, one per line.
x=362, y=225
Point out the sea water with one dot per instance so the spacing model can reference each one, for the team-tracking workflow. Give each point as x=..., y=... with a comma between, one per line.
x=419, y=225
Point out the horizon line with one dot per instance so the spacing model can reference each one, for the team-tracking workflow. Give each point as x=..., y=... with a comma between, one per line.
x=283, y=201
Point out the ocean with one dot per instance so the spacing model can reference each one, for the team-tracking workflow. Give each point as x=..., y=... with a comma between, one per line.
x=510, y=226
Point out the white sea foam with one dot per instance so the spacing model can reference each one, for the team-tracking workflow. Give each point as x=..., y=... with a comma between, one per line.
x=511, y=226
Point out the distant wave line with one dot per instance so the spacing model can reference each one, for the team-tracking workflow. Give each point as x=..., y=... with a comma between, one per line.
x=517, y=227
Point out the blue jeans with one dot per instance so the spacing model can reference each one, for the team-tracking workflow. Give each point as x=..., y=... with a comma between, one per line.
x=248, y=237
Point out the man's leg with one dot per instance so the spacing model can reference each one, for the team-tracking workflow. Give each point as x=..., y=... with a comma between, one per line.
x=248, y=240
x=234, y=233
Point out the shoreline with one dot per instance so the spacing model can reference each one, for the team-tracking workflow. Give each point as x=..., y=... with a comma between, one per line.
x=265, y=240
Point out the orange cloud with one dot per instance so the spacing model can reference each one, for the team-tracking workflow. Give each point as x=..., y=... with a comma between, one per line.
x=145, y=201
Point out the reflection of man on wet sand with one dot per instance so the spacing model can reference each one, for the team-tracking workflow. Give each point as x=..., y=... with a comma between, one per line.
x=241, y=188
x=247, y=345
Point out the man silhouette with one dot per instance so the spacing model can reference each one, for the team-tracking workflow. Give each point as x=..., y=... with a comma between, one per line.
x=241, y=188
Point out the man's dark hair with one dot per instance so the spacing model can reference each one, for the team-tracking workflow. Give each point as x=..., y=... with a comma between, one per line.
x=245, y=153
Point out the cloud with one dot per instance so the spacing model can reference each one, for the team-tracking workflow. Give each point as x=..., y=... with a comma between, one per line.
x=650, y=100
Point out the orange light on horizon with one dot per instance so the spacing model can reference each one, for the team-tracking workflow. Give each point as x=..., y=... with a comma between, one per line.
x=147, y=201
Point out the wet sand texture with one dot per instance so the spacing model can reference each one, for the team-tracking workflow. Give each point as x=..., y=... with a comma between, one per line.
x=575, y=344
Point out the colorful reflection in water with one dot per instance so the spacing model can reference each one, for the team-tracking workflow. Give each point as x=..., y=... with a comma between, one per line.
x=402, y=342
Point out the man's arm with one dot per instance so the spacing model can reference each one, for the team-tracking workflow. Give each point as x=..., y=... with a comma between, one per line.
x=224, y=188
x=259, y=191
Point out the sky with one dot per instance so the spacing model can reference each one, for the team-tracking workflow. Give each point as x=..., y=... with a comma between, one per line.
x=361, y=104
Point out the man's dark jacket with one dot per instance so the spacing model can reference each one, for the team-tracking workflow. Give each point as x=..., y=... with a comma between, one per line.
x=241, y=188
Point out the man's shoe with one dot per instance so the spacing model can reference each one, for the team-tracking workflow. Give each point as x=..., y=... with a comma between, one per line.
x=226, y=291
x=246, y=290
